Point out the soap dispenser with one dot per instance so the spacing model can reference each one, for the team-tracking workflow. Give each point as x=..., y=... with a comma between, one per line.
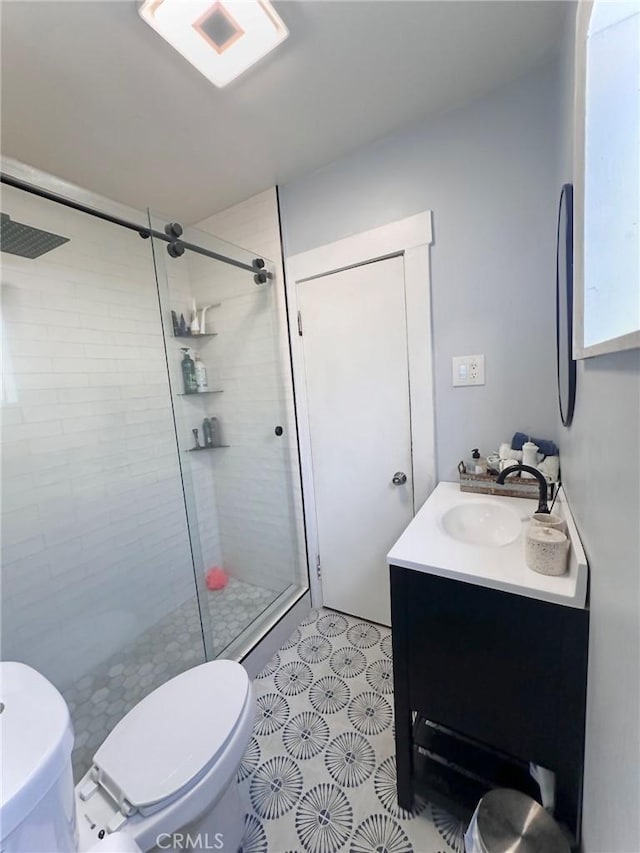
x=188, y=372
x=478, y=463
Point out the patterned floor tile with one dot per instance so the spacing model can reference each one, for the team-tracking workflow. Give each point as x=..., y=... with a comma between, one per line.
x=319, y=773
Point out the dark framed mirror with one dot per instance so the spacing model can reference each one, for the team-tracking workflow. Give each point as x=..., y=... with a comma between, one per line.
x=564, y=306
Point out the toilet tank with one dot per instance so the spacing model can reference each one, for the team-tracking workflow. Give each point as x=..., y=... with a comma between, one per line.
x=37, y=809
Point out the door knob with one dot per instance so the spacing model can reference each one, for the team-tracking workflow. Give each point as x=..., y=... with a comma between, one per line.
x=399, y=478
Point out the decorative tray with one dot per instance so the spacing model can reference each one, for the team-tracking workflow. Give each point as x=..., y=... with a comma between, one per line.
x=514, y=487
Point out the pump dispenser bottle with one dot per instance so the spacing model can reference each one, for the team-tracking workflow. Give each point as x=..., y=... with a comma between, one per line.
x=188, y=373
x=478, y=463
x=201, y=374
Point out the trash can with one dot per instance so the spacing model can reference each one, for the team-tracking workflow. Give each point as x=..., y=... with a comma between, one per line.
x=507, y=821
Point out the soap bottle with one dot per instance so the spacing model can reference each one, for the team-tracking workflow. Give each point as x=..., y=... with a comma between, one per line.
x=188, y=372
x=206, y=433
x=214, y=425
x=201, y=374
x=478, y=463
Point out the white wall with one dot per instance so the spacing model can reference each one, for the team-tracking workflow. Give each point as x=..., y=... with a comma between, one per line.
x=487, y=171
x=600, y=472
x=257, y=481
x=94, y=540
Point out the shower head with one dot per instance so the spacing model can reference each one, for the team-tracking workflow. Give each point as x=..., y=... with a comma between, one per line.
x=25, y=240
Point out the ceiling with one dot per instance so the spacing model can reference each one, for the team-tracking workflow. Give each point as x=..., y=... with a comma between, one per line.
x=91, y=94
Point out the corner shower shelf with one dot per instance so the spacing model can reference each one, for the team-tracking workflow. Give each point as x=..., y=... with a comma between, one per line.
x=202, y=393
x=206, y=334
x=214, y=447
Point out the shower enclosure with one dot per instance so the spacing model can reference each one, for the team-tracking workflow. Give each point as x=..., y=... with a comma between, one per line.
x=239, y=482
x=112, y=516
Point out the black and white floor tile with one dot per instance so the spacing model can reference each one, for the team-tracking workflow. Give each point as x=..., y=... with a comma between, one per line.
x=319, y=774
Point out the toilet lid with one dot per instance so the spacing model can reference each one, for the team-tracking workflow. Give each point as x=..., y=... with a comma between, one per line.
x=174, y=734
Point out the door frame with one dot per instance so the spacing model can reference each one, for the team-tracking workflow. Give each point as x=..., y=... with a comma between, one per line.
x=409, y=238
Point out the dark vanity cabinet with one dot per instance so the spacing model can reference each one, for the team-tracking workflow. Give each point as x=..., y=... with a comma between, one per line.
x=486, y=673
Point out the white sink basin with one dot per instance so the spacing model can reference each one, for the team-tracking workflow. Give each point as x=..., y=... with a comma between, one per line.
x=461, y=536
x=482, y=523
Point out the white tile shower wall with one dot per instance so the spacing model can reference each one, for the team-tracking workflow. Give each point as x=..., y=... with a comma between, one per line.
x=256, y=479
x=251, y=480
x=94, y=543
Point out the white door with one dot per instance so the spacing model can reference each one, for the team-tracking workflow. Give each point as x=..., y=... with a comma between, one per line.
x=354, y=337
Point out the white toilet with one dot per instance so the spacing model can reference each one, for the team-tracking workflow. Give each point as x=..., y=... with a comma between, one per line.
x=164, y=778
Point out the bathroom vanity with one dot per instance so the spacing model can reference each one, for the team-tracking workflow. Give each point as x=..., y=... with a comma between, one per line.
x=489, y=658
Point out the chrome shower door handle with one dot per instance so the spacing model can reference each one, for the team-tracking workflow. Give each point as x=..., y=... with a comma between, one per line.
x=399, y=478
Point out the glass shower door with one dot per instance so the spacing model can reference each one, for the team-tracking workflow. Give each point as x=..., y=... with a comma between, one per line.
x=97, y=578
x=230, y=375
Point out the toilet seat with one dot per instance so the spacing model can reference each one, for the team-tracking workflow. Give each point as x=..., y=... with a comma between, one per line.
x=168, y=742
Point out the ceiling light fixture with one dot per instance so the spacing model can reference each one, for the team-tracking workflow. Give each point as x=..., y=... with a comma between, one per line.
x=221, y=39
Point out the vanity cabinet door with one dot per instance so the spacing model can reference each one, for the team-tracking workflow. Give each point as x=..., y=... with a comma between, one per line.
x=506, y=670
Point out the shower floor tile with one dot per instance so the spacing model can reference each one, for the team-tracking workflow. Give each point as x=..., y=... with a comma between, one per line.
x=319, y=773
x=234, y=608
x=100, y=699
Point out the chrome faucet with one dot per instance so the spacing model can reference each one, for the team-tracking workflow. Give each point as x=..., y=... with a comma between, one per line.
x=542, y=482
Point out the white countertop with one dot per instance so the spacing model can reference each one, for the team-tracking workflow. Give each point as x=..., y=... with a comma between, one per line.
x=425, y=547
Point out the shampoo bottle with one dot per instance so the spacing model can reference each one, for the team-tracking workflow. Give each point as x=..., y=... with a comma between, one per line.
x=206, y=432
x=188, y=372
x=215, y=432
x=201, y=374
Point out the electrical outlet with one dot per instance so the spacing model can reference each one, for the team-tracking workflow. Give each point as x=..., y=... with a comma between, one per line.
x=467, y=370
